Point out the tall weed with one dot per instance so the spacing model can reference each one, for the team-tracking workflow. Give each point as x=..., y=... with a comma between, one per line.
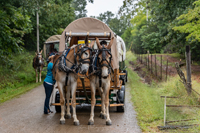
x=18, y=73
x=150, y=106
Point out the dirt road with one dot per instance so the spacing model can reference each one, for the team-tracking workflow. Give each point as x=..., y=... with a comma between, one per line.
x=25, y=115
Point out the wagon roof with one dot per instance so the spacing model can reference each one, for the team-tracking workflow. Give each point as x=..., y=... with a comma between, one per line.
x=89, y=25
x=53, y=39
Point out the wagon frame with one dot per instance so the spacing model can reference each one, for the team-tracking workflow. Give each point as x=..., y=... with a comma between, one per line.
x=74, y=33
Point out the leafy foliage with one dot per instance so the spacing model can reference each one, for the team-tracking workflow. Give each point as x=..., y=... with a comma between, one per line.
x=162, y=32
x=18, y=23
x=106, y=17
x=190, y=23
x=13, y=26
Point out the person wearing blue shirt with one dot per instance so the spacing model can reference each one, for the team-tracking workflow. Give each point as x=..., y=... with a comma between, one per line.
x=48, y=83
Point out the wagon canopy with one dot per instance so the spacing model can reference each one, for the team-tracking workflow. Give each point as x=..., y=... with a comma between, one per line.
x=55, y=39
x=89, y=26
x=121, y=48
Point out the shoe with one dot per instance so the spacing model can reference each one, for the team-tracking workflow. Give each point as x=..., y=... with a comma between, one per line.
x=46, y=113
x=50, y=111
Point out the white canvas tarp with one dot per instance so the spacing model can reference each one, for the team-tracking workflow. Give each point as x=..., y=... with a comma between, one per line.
x=91, y=25
x=121, y=48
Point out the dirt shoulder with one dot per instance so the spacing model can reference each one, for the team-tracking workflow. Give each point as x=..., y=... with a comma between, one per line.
x=142, y=68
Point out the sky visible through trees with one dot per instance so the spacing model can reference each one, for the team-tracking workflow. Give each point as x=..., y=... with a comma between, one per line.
x=170, y=26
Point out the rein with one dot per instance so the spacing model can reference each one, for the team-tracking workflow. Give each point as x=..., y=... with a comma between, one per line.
x=62, y=64
x=108, y=64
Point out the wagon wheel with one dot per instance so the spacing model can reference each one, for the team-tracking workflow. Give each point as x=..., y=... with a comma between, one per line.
x=126, y=75
x=121, y=99
x=57, y=100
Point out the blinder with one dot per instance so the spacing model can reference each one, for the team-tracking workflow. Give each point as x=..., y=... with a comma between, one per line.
x=108, y=65
x=81, y=51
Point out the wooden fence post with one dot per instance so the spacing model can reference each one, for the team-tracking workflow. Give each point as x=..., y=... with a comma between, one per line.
x=166, y=69
x=151, y=64
x=188, y=67
x=161, y=67
x=146, y=62
x=165, y=111
x=155, y=67
x=148, y=59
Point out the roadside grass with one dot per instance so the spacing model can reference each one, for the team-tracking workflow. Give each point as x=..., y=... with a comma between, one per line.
x=150, y=107
x=9, y=93
x=17, y=75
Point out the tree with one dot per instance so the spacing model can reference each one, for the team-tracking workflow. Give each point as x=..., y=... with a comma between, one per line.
x=14, y=25
x=118, y=25
x=106, y=17
x=189, y=24
x=80, y=7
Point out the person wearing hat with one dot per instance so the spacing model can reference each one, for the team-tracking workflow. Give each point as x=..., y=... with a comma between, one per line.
x=48, y=83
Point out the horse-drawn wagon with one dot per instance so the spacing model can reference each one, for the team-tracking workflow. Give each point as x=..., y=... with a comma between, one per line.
x=103, y=53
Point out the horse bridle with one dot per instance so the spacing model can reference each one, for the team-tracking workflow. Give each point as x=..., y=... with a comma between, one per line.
x=39, y=55
x=75, y=66
x=80, y=52
x=108, y=64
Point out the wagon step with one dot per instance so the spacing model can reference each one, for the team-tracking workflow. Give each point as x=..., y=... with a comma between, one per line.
x=111, y=105
x=82, y=98
x=98, y=105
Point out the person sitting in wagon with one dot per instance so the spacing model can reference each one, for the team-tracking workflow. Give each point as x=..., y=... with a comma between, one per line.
x=103, y=43
x=52, y=50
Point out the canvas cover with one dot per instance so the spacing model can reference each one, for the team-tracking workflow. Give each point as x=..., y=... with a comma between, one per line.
x=121, y=48
x=91, y=25
x=53, y=39
x=50, y=40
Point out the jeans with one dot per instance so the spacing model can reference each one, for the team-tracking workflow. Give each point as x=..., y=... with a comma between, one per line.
x=48, y=90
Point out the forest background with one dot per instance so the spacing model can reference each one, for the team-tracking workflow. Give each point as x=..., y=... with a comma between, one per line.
x=157, y=26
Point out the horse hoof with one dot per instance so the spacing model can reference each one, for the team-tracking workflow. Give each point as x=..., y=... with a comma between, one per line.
x=62, y=121
x=90, y=122
x=68, y=116
x=103, y=116
x=76, y=123
x=108, y=123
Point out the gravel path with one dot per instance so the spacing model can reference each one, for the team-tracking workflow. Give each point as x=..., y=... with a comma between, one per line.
x=25, y=115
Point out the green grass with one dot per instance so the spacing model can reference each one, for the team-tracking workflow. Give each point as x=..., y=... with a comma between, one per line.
x=7, y=94
x=150, y=107
x=17, y=75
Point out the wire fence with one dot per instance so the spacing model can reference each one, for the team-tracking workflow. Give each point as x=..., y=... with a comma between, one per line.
x=155, y=64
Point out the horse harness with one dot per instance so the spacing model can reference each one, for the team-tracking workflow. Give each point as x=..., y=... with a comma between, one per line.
x=97, y=70
x=74, y=69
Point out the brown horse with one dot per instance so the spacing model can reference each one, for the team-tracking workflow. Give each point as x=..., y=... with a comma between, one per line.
x=38, y=64
x=77, y=59
x=103, y=87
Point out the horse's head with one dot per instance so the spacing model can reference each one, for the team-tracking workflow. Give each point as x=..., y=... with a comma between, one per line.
x=104, y=58
x=39, y=57
x=85, y=54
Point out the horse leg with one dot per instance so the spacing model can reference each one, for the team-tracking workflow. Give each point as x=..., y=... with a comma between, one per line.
x=73, y=101
x=103, y=113
x=36, y=74
x=68, y=115
x=62, y=102
x=40, y=74
x=93, y=102
x=108, y=121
